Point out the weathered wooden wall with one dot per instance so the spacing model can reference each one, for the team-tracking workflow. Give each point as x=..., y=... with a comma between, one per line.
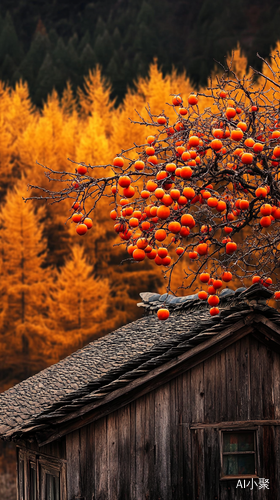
x=55, y=449
x=147, y=449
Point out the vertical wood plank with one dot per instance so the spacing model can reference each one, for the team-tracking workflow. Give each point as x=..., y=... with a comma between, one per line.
x=210, y=395
x=101, y=465
x=197, y=393
x=140, y=443
x=187, y=437
x=124, y=453
x=256, y=378
x=270, y=459
x=174, y=439
x=149, y=447
x=181, y=470
x=112, y=453
x=162, y=443
x=276, y=384
x=83, y=459
x=56, y=449
x=221, y=387
x=212, y=462
x=242, y=350
x=198, y=464
x=73, y=464
x=267, y=382
x=89, y=465
x=132, y=449
x=231, y=382
x=277, y=464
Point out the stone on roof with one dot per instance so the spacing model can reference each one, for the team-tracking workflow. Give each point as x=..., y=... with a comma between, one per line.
x=114, y=360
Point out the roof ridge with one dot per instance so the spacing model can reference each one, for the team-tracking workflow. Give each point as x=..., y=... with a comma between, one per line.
x=152, y=301
x=161, y=341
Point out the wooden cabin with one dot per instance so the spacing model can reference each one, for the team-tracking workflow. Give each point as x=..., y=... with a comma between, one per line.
x=184, y=409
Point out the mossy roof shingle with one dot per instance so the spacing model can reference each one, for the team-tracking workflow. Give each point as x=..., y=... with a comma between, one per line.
x=123, y=355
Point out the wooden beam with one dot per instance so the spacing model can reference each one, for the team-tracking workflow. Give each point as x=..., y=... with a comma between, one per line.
x=227, y=425
x=259, y=318
x=267, y=336
x=149, y=382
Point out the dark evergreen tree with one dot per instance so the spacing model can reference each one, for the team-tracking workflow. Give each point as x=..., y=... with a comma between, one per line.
x=49, y=77
x=84, y=41
x=99, y=28
x=117, y=39
x=53, y=37
x=9, y=43
x=38, y=50
x=90, y=17
x=103, y=49
x=1, y=23
x=7, y=69
x=74, y=41
x=73, y=60
x=88, y=59
x=146, y=14
x=60, y=52
x=184, y=34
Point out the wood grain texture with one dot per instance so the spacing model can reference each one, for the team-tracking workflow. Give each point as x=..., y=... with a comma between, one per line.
x=221, y=387
x=123, y=453
x=186, y=455
x=132, y=449
x=197, y=393
x=101, y=465
x=174, y=439
x=112, y=453
x=231, y=382
x=210, y=395
x=73, y=465
x=154, y=379
x=242, y=352
x=149, y=447
x=199, y=470
x=140, y=418
x=162, y=443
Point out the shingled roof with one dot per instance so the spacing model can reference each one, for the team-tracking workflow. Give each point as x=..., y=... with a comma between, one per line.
x=128, y=353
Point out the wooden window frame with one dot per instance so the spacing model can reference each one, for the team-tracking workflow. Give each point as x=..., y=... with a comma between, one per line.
x=21, y=475
x=40, y=463
x=254, y=429
x=32, y=464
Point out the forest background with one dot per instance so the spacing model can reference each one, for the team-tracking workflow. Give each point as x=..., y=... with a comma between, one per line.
x=70, y=79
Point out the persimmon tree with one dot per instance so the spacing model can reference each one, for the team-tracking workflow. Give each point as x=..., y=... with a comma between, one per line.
x=204, y=188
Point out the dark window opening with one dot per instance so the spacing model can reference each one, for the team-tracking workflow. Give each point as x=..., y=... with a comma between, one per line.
x=238, y=453
x=52, y=487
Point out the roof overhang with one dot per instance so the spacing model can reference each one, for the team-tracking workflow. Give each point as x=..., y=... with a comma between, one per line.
x=254, y=324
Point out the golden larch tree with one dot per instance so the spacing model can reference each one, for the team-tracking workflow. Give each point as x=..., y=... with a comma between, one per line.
x=23, y=250
x=16, y=113
x=79, y=302
x=95, y=98
x=26, y=341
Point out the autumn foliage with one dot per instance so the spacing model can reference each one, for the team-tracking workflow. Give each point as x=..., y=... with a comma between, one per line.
x=202, y=189
x=61, y=290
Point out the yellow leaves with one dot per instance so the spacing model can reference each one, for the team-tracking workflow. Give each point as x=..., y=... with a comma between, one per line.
x=238, y=63
x=155, y=89
x=50, y=140
x=272, y=71
x=21, y=243
x=95, y=99
x=93, y=146
x=79, y=298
